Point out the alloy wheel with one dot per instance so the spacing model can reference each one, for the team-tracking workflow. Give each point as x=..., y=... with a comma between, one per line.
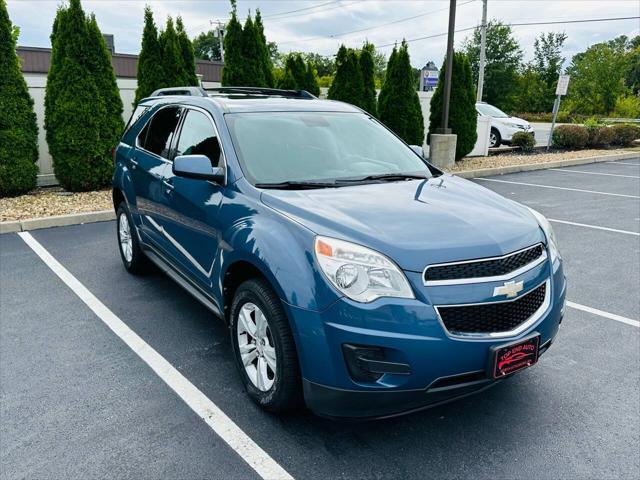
x=256, y=346
x=126, y=242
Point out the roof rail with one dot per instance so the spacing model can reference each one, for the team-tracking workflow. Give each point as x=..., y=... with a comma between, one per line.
x=183, y=91
x=275, y=92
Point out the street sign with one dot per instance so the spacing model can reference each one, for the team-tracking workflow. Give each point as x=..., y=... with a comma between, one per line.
x=563, y=83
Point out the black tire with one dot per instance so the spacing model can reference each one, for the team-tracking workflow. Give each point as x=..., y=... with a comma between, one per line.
x=138, y=263
x=498, y=137
x=285, y=394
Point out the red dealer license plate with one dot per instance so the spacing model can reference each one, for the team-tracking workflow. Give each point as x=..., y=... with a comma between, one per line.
x=508, y=359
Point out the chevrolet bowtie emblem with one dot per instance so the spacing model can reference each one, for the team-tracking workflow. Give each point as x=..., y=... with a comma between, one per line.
x=510, y=289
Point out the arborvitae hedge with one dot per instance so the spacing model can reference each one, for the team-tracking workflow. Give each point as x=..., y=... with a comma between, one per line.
x=369, y=101
x=398, y=104
x=150, y=76
x=463, y=117
x=188, y=57
x=251, y=51
x=173, y=70
x=233, y=71
x=99, y=62
x=298, y=75
x=311, y=84
x=74, y=107
x=265, y=59
x=347, y=85
x=18, y=128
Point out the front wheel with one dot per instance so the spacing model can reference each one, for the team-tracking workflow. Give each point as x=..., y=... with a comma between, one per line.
x=264, y=348
x=494, y=138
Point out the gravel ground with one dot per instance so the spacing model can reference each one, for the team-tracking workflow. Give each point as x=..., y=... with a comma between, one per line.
x=516, y=158
x=47, y=202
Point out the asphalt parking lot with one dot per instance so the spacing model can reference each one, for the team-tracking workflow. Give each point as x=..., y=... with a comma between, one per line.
x=78, y=402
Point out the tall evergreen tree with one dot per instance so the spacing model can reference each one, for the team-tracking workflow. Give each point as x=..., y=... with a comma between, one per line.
x=399, y=105
x=463, y=117
x=251, y=51
x=347, y=85
x=173, y=71
x=99, y=62
x=311, y=80
x=233, y=71
x=188, y=57
x=150, y=76
x=18, y=128
x=337, y=83
x=265, y=58
x=295, y=75
x=74, y=108
x=368, y=78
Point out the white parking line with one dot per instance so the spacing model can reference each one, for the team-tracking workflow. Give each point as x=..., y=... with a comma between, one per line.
x=611, y=316
x=627, y=232
x=558, y=188
x=222, y=425
x=592, y=173
x=626, y=163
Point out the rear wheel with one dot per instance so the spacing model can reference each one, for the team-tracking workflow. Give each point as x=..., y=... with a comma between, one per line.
x=264, y=348
x=494, y=138
x=133, y=258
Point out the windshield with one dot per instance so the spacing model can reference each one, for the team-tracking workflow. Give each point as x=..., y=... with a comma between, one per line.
x=277, y=147
x=490, y=111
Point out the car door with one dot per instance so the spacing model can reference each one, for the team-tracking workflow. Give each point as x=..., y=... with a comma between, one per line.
x=148, y=163
x=192, y=226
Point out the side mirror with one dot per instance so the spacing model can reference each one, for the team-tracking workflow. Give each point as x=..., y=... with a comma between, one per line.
x=197, y=167
x=418, y=149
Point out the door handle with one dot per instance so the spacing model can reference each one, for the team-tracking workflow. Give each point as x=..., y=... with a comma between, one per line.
x=168, y=185
x=134, y=162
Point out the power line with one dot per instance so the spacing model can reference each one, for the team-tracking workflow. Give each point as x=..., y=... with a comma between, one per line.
x=335, y=35
x=300, y=9
x=341, y=5
x=555, y=22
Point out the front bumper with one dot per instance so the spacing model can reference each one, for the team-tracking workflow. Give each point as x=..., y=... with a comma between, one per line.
x=442, y=367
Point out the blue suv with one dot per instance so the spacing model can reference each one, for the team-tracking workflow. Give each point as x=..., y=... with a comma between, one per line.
x=354, y=276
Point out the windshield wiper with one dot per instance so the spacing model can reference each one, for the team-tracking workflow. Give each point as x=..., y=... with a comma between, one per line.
x=296, y=185
x=384, y=176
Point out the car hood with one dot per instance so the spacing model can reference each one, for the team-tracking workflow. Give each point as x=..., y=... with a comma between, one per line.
x=416, y=222
x=518, y=121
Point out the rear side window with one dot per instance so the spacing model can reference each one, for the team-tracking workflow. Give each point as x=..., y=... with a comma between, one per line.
x=157, y=135
x=137, y=113
x=198, y=137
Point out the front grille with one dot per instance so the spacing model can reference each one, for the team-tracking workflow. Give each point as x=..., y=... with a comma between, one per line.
x=484, y=268
x=492, y=317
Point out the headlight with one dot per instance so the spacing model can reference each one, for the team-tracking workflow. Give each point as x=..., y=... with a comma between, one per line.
x=359, y=272
x=515, y=125
x=549, y=233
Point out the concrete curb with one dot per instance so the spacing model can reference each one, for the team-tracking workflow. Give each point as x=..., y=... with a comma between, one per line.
x=487, y=172
x=57, y=221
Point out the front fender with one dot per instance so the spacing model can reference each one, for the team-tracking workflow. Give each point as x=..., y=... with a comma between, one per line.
x=283, y=251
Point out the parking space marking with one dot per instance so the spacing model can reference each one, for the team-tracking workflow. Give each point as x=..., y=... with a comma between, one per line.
x=592, y=173
x=597, y=227
x=626, y=163
x=602, y=313
x=558, y=188
x=219, y=422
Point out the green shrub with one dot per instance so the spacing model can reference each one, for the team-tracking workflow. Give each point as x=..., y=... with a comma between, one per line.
x=525, y=141
x=624, y=135
x=463, y=117
x=18, y=128
x=599, y=135
x=570, y=136
x=627, y=107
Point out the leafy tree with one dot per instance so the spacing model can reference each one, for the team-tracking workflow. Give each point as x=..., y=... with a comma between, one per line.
x=74, y=108
x=533, y=92
x=347, y=85
x=207, y=46
x=150, y=75
x=463, y=117
x=548, y=60
x=188, y=57
x=173, y=69
x=18, y=128
x=398, y=103
x=311, y=80
x=367, y=68
x=99, y=63
x=233, y=73
x=251, y=52
x=503, y=58
x=597, y=79
x=265, y=57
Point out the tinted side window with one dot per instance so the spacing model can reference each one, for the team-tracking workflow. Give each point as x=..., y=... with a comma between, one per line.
x=157, y=135
x=137, y=113
x=198, y=137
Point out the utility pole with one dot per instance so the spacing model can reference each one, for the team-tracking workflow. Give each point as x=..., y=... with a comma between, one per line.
x=483, y=47
x=449, y=67
x=219, y=32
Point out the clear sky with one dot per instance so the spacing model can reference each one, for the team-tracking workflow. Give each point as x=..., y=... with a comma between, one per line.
x=321, y=25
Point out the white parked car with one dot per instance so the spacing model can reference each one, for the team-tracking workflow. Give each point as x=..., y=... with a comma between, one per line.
x=502, y=125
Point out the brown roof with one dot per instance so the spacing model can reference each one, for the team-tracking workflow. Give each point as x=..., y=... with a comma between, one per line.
x=38, y=60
